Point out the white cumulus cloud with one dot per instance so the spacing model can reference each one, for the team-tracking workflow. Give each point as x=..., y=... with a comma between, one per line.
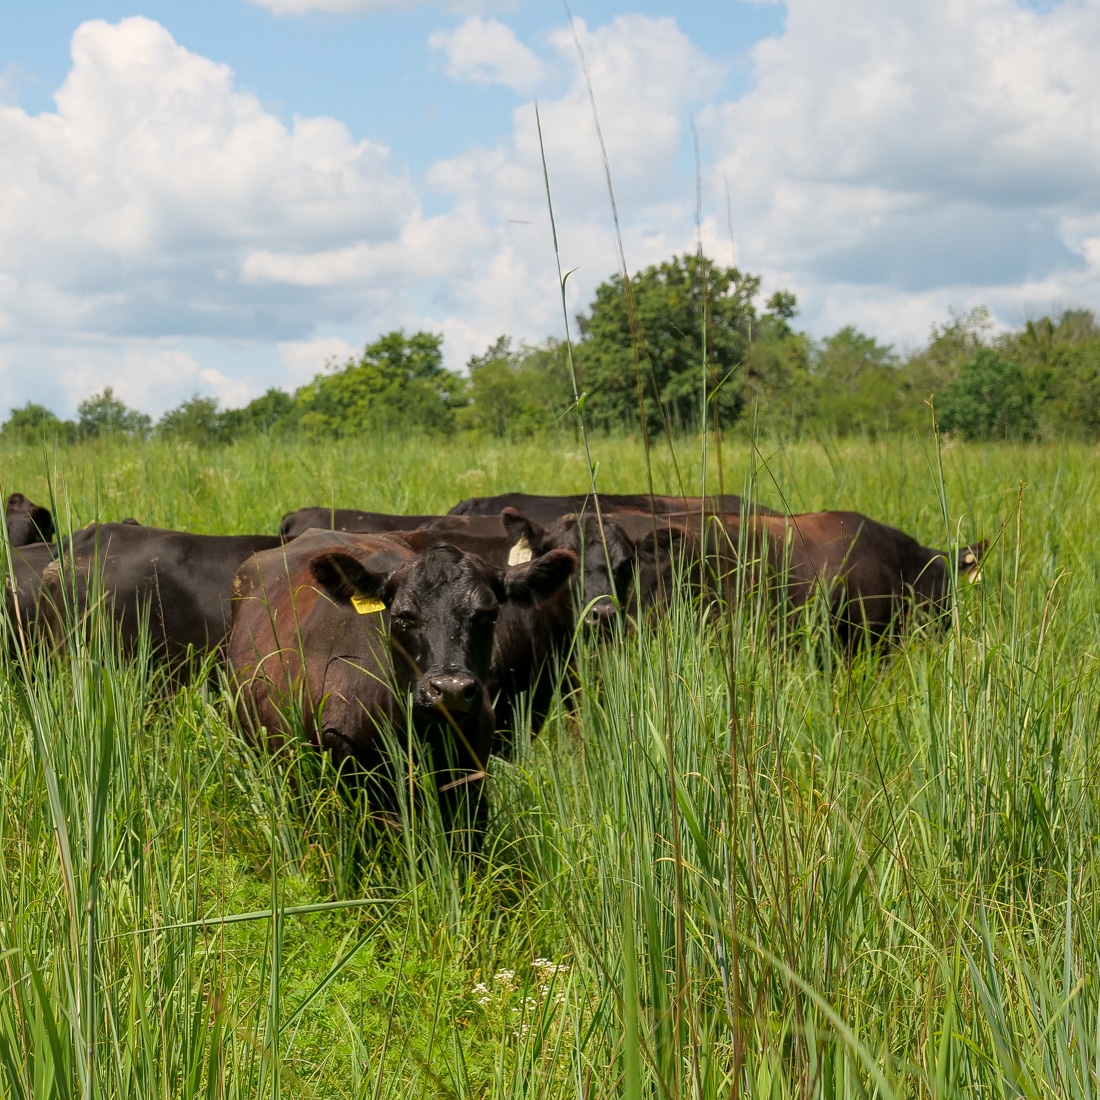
x=151, y=375
x=895, y=159
x=888, y=162
x=357, y=7
x=485, y=51
x=136, y=206
x=647, y=77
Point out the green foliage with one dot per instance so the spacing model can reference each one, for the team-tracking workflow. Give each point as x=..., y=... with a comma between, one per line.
x=274, y=411
x=990, y=399
x=194, y=421
x=517, y=392
x=399, y=383
x=858, y=382
x=641, y=359
x=1062, y=360
x=31, y=423
x=936, y=366
x=778, y=378
x=649, y=342
x=105, y=414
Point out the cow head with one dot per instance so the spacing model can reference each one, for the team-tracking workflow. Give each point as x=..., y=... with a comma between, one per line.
x=934, y=580
x=27, y=522
x=441, y=607
x=605, y=574
x=665, y=557
x=969, y=563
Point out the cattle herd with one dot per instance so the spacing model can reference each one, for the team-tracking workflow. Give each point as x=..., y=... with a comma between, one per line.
x=348, y=623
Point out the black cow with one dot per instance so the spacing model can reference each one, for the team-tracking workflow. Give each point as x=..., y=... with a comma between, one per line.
x=27, y=522
x=347, y=519
x=616, y=571
x=630, y=558
x=348, y=627
x=529, y=640
x=177, y=583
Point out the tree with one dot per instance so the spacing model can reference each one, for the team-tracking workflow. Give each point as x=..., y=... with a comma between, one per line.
x=859, y=385
x=778, y=379
x=194, y=421
x=105, y=414
x=517, y=392
x=650, y=334
x=1071, y=404
x=936, y=366
x=274, y=411
x=32, y=422
x=399, y=382
x=1061, y=359
x=990, y=399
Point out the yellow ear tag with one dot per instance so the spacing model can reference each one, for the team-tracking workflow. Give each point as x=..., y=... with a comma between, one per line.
x=521, y=553
x=366, y=604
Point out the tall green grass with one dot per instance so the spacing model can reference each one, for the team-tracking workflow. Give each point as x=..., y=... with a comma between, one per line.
x=726, y=867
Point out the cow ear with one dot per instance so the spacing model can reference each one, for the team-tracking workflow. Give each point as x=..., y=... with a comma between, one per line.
x=527, y=538
x=665, y=540
x=539, y=578
x=344, y=577
x=43, y=522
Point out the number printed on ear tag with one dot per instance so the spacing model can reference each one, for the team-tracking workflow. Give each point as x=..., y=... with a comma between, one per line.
x=366, y=604
x=521, y=553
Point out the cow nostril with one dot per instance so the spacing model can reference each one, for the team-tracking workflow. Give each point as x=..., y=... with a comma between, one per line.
x=601, y=612
x=454, y=692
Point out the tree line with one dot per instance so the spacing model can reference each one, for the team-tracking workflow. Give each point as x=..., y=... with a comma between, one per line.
x=643, y=351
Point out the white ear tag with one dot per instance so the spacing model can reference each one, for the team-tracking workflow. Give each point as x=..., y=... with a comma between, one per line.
x=521, y=553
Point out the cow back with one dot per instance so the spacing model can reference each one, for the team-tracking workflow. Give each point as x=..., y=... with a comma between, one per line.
x=176, y=584
x=297, y=523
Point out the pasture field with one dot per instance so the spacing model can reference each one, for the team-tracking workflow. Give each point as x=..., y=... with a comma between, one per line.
x=733, y=867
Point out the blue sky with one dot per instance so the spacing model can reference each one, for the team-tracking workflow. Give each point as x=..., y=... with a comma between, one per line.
x=218, y=199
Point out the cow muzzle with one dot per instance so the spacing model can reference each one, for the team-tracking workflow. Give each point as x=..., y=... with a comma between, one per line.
x=454, y=693
x=600, y=615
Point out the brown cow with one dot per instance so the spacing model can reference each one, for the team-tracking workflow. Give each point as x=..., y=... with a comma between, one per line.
x=355, y=628
x=872, y=576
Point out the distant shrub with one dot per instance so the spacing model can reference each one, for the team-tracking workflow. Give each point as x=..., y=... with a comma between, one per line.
x=398, y=383
x=195, y=421
x=990, y=399
x=105, y=414
x=517, y=392
x=31, y=423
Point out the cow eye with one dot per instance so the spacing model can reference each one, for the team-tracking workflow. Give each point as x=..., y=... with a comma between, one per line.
x=405, y=619
x=486, y=616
